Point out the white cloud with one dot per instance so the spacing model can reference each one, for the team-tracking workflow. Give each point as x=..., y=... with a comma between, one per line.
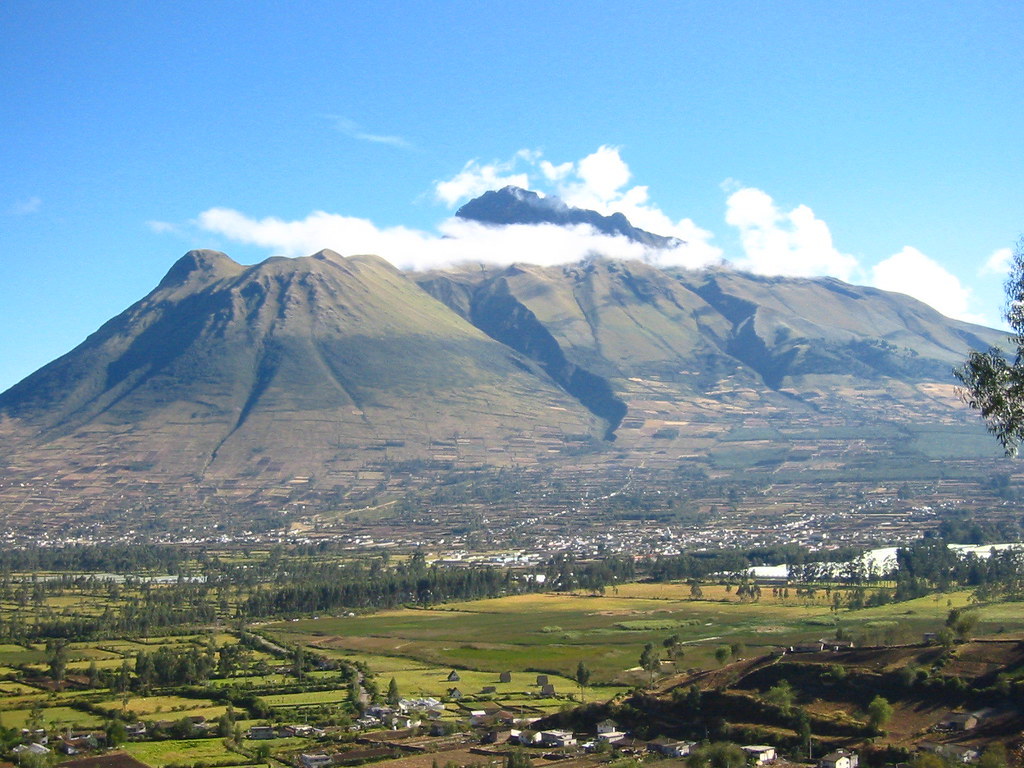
x=601, y=176
x=915, y=274
x=597, y=181
x=26, y=207
x=555, y=172
x=998, y=263
x=163, y=227
x=352, y=129
x=777, y=242
x=457, y=241
x=774, y=241
x=474, y=179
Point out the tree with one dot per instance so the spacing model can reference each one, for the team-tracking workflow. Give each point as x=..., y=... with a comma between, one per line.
x=693, y=698
x=393, y=696
x=582, y=677
x=673, y=647
x=879, y=712
x=57, y=659
x=720, y=754
x=518, y=759
x=722, y=654
x=781, y=695
x=803, y=730
x=116, y=733
x=994, y=756
x=962, y=623
x=649, y=661
x=993, y=385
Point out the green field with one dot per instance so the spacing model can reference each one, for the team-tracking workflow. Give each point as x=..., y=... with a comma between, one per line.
x=59, y=718
x=183, y=751
x=552, y=633
x=165, y=707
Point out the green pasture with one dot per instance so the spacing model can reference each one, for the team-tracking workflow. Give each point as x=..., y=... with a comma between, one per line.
x=11, y=688
x=309, y=698
x=552, y=633
x=59, y=718
x=928, y=614
x=165, y=707
x=183, y=751
x=22, y=655
x=252, y=681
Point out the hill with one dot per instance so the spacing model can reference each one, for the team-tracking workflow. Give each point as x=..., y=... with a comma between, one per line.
x=772, y=699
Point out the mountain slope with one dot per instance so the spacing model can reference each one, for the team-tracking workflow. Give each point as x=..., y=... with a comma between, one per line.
x=291, y=367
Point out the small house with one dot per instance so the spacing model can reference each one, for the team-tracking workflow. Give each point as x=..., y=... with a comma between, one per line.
x=489, y=689
x=542, y=679
x=557, y=738
x=954, y=753
x=839, y=645
x=607, y=726
x=840, y=758
x=261, y=732
x=760, y=753
x=547, y=690
x=35, y=748
x=454, y=693
x=314, y=760
x=959, y=721
x=525, y=738
x=505, y=677
x=817, y=647
x=670, y=747
x=453, y=677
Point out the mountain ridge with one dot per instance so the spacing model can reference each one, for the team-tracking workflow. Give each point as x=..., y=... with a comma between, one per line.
x=514, y=205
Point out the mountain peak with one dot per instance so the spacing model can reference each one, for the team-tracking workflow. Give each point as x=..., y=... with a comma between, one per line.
x=514, y=205
x=201, y=266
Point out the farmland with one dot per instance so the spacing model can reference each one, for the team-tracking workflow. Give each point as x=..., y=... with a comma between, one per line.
x=236, y=667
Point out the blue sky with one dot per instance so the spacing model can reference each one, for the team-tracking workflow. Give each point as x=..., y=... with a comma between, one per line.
x=877, y=142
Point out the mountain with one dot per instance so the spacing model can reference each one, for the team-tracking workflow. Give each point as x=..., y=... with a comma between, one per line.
x=513, y=205
x=293, y=370
x=328, y=382
x=659, y=350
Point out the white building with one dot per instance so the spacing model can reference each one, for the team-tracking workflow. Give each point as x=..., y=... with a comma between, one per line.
x=760, y=753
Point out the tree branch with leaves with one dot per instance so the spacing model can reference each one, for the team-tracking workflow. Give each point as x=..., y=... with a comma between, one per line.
x=993, y=384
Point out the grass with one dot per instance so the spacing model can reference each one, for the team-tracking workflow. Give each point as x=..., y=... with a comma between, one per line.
x=182, y=751
x=554, y=632
x=306, y=698
x=166, y=707
x=58, y=718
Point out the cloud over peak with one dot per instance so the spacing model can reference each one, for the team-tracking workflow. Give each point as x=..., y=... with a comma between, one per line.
x=772, y=239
